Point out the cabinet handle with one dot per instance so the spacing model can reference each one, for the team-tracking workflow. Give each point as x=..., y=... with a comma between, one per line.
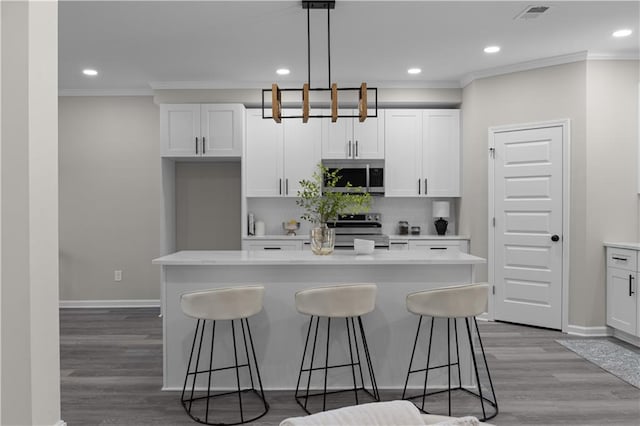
x=286, y=187
x=272, y=248
x=401, y=243
x=203, y=148
x=619, y=258
x=425, y=187
x=349, y=156
x=631, y=292
x=437, y=248
x=196, y=145
x=280, y=186
x=356, y=149
x=418, y=186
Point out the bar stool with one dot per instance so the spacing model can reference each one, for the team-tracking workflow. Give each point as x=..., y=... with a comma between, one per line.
x=452, y=303
x=347, y=301
x=234, y=303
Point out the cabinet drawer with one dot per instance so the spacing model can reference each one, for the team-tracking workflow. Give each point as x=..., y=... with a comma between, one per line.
x=274, y=245
x=436, y=246
x=622, y=259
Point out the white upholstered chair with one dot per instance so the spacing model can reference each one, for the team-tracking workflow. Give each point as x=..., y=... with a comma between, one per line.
x=450, y=305
x=348, y=302
x=211, y=306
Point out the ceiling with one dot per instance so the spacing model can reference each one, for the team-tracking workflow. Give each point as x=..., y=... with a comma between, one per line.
x=138, y=45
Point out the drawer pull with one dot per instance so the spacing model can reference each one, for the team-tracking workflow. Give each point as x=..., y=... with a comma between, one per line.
x=623, y=259
x=272, y=248
x=404, y=244
x=437, y=248
x=631, y=292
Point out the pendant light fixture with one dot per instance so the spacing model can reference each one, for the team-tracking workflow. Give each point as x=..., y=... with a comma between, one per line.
x=332, y=88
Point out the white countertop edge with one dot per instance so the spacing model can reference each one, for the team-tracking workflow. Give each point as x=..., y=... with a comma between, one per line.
x=294, y=258
x=632, y=246
x=305, y=237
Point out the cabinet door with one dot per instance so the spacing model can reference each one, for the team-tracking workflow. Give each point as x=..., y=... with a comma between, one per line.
x=337, y=138
x=180, y=130
x=403, y=153
x=301, y=152
x=441, y=153
x=368, y=137
x=221, y=129
x=622, y=300
x=263, y=156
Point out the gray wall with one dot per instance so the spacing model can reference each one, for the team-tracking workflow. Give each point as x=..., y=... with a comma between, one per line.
x=208, y=213
x=109, y=197
x=600, y=98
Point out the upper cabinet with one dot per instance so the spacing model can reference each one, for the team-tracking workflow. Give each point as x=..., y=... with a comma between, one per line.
x=207, y=130
x=278, y=156
x=422, y=154
x=348, y=138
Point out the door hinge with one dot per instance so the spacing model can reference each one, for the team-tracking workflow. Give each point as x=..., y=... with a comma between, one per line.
x=493, y=289
x=492, y=152
x=493, y=222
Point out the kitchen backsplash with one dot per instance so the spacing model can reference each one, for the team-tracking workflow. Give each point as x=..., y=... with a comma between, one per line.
x=416, y=211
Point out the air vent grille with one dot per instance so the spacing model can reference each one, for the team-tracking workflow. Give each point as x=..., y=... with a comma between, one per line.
x=532, y=12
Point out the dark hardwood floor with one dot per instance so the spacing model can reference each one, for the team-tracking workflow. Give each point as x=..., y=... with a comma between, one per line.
x=111, y=374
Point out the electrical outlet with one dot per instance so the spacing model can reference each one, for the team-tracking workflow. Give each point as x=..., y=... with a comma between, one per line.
x=117, y=275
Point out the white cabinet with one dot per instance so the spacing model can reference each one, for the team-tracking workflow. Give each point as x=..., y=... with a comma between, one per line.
x=348, y=138
x=622, y=290
x=279, y=155
x=422, y=153
x=440, y=246
x=207, y=130
x=273, y=245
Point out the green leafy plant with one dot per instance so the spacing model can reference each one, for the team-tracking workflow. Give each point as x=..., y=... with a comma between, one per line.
x=320, y=207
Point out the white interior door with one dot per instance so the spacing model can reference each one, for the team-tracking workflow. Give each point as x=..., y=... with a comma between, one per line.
x=527, y=249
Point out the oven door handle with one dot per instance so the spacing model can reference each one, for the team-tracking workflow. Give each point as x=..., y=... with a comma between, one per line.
x=368, y=178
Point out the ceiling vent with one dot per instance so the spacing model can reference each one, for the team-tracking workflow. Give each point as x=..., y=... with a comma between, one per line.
x=532, y=12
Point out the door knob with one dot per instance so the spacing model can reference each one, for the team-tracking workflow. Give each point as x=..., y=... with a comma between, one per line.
x=555, y=238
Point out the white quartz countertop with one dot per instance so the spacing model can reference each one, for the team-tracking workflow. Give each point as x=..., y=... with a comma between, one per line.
x=241, y=257
x=632, y=246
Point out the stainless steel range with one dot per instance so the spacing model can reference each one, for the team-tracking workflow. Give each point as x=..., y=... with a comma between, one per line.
x=366, y=226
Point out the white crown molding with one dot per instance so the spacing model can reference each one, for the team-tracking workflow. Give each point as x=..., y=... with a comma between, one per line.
x=577, y=330
x=216, y=84
x=135, y=303
x=627, y=56
x=523, y=66
x=105, y=92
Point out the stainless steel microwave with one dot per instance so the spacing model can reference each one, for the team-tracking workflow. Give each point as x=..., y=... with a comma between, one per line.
x=369, y=176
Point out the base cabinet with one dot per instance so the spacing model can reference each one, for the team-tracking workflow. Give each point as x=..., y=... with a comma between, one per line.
x=622, y=290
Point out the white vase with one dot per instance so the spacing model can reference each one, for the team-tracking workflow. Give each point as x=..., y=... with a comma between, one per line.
x=323, y=239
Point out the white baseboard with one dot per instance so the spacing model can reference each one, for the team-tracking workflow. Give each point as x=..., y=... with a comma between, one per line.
x=626, y=337
x=60, y=423
x=135, y=303
x=577, y=330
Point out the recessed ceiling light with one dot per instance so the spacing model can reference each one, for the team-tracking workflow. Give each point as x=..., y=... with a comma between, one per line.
x=622, y=33
x=414, y=70
x=492, y=49
x=90, y=72
x=283, y=71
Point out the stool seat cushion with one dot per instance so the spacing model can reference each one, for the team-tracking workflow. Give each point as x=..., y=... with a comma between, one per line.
x=450, y=302
x=223, y=303
x=348, y=300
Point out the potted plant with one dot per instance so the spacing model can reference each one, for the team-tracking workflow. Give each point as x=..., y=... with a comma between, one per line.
x=323, y=207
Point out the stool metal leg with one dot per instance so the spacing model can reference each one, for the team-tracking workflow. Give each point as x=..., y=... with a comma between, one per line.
x=455, y=327
x=195, y=375
x=304, y=354
x=372, y=376
x=326, y=366
x=353, y=369
x=449, y=362
x=495, y=400
x=193, y=346
x=235, y=356
x=355, y=339
x=426, y=373
x=213, y=335
x=246, y=352
x=415, y=342
x=255, y=362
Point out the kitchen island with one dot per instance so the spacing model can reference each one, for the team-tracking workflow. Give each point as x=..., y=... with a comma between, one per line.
x=279, y=330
